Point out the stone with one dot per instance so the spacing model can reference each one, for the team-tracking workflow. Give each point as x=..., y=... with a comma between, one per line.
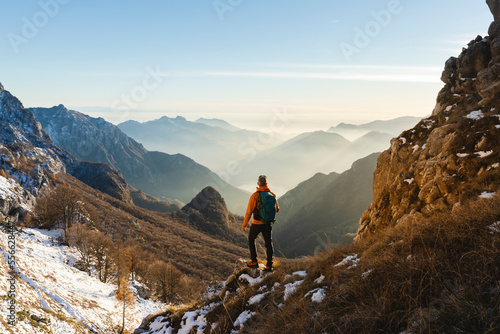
x=494, y=8
x=494, y=29
x=449, y=70
x=495, y=50
x=474, y=59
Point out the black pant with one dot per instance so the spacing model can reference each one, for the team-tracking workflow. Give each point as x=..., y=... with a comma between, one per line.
x=266, y=233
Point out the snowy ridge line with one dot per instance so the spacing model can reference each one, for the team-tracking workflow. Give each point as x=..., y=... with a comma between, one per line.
x=52, y=295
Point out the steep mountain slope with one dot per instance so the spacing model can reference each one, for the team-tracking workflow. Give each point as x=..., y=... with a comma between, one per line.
x=29, y=156
x=212, y=146
x=168, y=177
x=58, y=298
x=321, y=211
x=451, y=156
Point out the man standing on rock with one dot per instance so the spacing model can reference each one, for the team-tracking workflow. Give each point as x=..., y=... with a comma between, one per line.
x=263, y=205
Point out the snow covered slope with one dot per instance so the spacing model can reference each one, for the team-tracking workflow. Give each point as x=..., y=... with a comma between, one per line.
x=62, y=298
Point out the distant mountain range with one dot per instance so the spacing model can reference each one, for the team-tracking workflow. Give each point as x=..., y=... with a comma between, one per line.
x=168, y=177
x=301, y=157
x=321, y=211
x=211, y=142
x=240, y=155
x=218, y=123
x=392, y=127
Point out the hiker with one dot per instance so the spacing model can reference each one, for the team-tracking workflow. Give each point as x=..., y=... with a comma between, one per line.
x=263, y=205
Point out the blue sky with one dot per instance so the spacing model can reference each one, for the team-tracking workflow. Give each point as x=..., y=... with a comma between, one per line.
x=241, y=60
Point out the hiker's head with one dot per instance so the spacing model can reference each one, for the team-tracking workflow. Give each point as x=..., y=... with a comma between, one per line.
x=262, y=180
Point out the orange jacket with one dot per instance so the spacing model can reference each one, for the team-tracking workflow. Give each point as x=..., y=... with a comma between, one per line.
x=252, y=203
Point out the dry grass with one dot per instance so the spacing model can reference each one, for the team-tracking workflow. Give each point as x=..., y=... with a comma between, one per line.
x=438, y=275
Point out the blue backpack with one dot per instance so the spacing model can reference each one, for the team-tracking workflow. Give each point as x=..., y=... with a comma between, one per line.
x=265, y=211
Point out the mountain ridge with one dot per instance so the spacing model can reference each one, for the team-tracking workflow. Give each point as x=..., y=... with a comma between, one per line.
x=165, y=176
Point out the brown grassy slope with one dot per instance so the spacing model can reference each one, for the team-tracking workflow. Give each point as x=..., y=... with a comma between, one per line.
x=435, y=275
x=166, y=235
x=439, y=275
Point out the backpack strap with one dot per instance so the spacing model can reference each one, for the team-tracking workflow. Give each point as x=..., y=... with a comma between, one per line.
x=256, y=213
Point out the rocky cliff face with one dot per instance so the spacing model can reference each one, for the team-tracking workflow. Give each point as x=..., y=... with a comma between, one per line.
x=451, y=156
x=28, y=158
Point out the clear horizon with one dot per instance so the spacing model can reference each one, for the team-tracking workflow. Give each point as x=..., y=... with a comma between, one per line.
x=240, y=61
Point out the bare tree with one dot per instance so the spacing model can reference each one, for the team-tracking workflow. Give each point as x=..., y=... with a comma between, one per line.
x=62, y=207
x=102, y=248
x=166, y=279
x=124, y=295
x=80, y=237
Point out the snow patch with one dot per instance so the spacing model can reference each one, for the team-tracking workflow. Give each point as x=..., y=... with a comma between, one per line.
x=317, y=295
x=243, y=317
x=49, y=281
x=366, y=273
x=462, y=155
x=319, y=280
x=495, y=227
x=353, y=260
x=250, y=279
x=409, y=181
x=257, y=298
x=486, y=194
x=475, y=115
x=290, y=289
x=193, y=319
x=483, y=154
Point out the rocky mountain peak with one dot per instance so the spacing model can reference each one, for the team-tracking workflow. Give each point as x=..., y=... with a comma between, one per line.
x=209, y=200
x=13, y=114
x=452, y=156
x=1, y=88
x=208, y=212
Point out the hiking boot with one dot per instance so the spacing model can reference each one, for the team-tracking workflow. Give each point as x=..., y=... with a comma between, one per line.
x=253, y=264
x=268, y=269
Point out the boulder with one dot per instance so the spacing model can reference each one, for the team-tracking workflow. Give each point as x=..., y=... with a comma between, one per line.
x=474, y=59
x=449, y=70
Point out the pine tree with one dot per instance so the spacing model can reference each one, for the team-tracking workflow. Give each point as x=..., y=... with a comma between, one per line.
x=124, y=295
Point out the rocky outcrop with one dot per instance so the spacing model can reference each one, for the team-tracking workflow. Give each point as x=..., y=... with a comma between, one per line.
x=495, y=8
x=207, y=212
x=451, y=156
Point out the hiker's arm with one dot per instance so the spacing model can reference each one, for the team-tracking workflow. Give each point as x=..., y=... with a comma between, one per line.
x=251, y=206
